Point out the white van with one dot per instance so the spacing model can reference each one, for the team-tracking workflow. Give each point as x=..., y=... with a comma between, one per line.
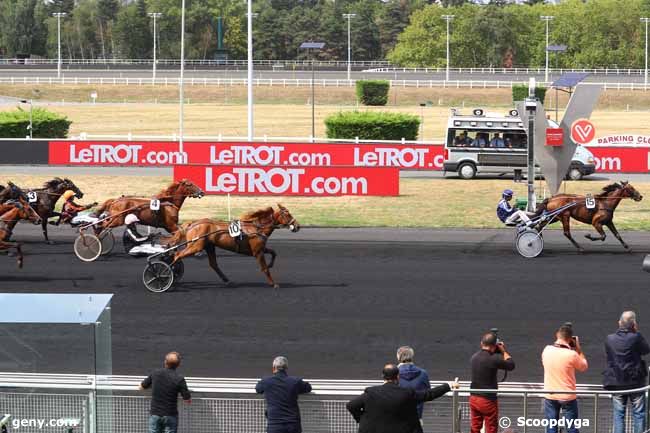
x=490, y=144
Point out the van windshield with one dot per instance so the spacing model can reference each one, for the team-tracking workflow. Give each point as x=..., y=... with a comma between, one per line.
x=506, y=139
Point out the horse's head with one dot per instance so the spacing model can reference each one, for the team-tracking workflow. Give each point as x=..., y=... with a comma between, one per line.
x=283, y=218
x=187, y=188
x=69, y=185
x=629, y=191
x=25, y=211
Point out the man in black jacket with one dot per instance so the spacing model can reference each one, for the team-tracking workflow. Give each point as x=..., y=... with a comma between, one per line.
x=388, y=408
x=281, y=393
x=627, y=370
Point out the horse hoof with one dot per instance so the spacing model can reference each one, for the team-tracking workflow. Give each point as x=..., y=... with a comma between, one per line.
x=229, y=284
x=20, y=264
x=581, y=250
x=49, y=242
x=276, y=286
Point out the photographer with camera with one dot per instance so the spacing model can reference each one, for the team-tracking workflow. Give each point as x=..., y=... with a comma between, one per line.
x=561, y=360
x=486, y=364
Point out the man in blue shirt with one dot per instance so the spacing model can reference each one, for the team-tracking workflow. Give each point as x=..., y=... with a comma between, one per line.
x=497, y=141
x=508, y=214
x=281, y=393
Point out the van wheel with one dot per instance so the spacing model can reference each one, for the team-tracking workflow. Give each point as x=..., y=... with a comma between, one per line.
x=574, y=173
x=467, y=170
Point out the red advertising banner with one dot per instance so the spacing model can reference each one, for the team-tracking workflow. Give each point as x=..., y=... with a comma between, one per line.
x=419, y=157
x=621, y=159
x=303, y=181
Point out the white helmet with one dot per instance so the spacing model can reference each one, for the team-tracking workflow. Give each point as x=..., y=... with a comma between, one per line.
x=130, y=219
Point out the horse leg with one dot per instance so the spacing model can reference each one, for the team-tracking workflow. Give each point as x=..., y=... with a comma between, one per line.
x=612, y=228
x=273, y=256
x=265, y=269
x=212, y=260
x=566, y=225
x=44, y=228
x=4, y=245
x=598, y=225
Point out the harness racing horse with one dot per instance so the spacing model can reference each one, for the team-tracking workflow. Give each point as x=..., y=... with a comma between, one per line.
x=256, y=229
x=46, y=198
x=10, y=213
x=171, y=201
x=601, y=215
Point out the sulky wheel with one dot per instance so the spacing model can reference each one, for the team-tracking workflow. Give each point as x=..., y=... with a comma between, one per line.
x=158, y=277
x=529, y=243
x=87, y=247
x=108, y=241
x=178, y=267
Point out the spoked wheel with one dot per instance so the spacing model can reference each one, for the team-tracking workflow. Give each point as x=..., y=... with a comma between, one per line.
x=529, y=243
x=87, y=247
x=178, y=267
x=158, y=277
x=108, y=241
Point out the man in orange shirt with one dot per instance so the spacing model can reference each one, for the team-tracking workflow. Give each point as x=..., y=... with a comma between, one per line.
x=561, y=360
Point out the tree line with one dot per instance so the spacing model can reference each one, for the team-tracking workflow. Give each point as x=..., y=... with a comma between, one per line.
x=106, y=29
x=597, y=33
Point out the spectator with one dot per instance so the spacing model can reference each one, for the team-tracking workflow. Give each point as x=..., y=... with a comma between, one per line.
x=479, y=141
x=497, y=141
x=389, y=408
x=281, y=393
x=411, y=376
x=561, y=360
x=166, y=384
x=486, y=363
x=627, y=370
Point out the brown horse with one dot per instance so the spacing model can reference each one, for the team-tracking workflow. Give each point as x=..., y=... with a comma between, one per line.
x=256, y=228
x=10, y=213
x=601, y=215
x=171, y=201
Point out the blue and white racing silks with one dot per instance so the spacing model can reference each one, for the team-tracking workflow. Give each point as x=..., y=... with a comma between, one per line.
x=504, y=210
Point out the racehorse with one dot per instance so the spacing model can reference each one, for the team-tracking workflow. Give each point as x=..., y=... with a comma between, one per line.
x=10, y=213
x=171, y=201
x=11, y=192
x=256, y=229
x=601, y=215
x=46, y=198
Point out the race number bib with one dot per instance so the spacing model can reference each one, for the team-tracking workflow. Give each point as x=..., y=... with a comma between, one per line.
x=234, y=229
x=590, y=201
x=32, y=197
x=154, y=204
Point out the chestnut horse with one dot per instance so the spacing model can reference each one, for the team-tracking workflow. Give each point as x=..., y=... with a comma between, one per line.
x=46, y=198
x=256, y=228
x=10, y=213
x=601, y=215
x=171, y=201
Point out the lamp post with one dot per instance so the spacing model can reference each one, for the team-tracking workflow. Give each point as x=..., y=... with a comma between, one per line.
x=310, y=46
x=547, y=19
x=349, y=18
x=645, y=74
x=155, y=16
x=182, y=79
x=249, y=18
x=31, y=123
x=58, y=16
x=447, y=18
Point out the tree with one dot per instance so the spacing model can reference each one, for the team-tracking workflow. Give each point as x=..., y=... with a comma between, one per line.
x=132, y=32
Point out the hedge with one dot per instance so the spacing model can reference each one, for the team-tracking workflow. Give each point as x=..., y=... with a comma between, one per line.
x=46, y=124
x=372, y=125
x=372, y=92
x=520, y=92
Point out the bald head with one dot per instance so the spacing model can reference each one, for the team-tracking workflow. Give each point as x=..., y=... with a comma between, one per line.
x=627, y=320
x=172, y=360
x=390, y=373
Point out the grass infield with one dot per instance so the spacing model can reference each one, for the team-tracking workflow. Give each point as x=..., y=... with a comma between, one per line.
x=431, y=203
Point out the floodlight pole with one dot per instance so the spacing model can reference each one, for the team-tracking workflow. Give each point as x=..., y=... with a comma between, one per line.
x=182, y=79
x=447, y=18
x=645, y=74
x=349, y=18
x=249, y=19
x=547, y=19
x=531, y=108
x=155, y=16
x=58, y=16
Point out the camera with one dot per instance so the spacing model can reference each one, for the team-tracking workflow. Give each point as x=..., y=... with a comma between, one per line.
x=572, y=343
x=495, y=331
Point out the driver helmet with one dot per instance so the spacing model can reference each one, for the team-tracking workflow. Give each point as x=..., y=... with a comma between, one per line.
x=68, y=195
x=507, y=193
x=131, y=219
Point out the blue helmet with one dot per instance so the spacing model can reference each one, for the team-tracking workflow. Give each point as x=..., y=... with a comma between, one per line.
x=507, y=193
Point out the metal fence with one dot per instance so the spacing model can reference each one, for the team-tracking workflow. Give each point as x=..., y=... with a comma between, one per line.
x=106, y=405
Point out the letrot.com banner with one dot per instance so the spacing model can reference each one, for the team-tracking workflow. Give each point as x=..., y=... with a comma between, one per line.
x=305, y=181
x=420, y=157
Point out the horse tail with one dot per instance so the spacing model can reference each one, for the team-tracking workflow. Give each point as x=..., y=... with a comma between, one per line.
x=176, y=238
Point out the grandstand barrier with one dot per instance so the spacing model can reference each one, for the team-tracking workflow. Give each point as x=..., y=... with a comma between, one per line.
x=231, y=406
